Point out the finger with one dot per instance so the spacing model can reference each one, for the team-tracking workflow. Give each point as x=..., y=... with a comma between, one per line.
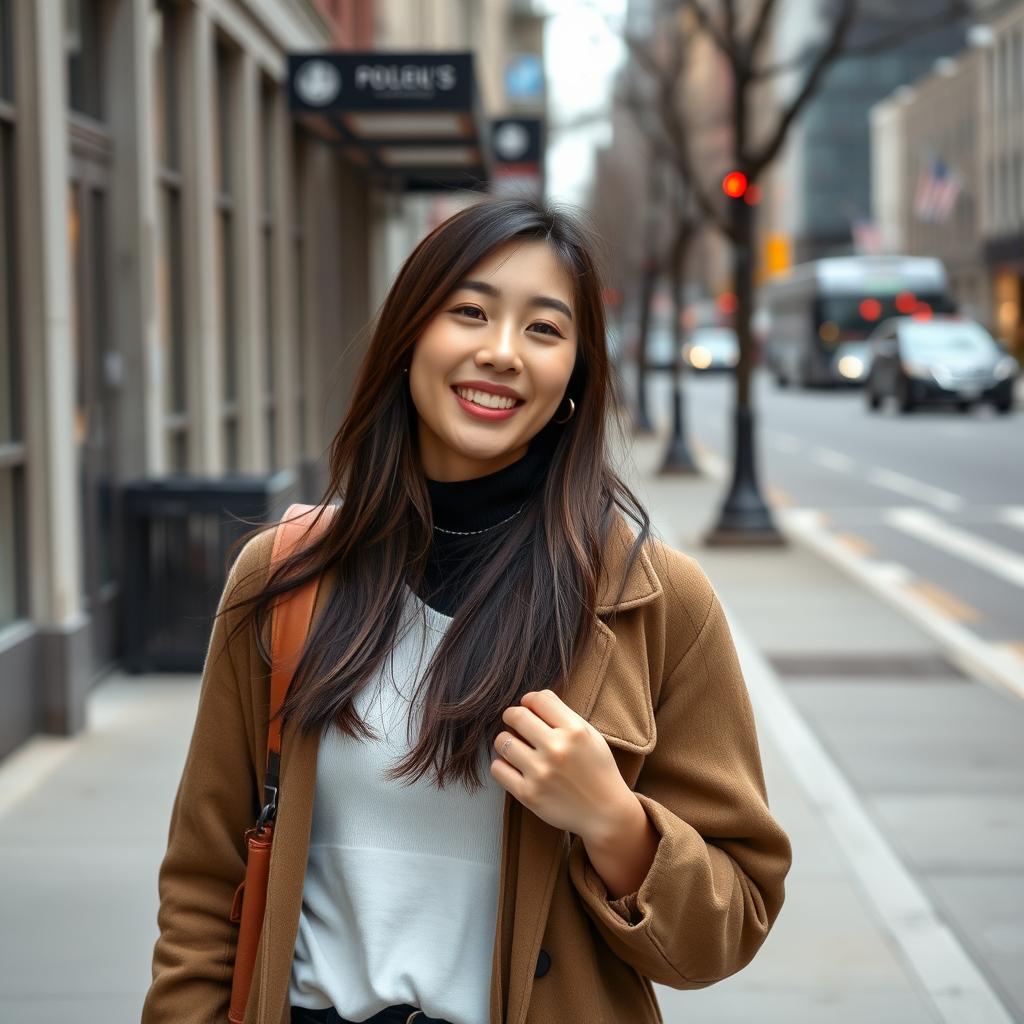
x=527, y=724
x=548, y=706
x=512, y=749
x=507, y=777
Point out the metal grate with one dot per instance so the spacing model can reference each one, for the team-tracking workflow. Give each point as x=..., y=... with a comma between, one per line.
x=920, y=667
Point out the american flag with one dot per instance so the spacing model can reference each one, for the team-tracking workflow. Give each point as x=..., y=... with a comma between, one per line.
x=937, y=188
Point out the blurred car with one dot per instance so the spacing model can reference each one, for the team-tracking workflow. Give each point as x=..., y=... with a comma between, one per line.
x=712, y=348
x=946, y=359
x=853, y=362
x=661, y=349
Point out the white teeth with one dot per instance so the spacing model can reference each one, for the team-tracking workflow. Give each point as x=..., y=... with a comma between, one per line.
x=486, y=399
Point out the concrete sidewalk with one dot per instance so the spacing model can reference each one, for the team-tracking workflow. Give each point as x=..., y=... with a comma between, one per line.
x=83, y=826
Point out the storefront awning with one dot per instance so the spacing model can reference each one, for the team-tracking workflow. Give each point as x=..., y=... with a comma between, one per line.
x=413, y=120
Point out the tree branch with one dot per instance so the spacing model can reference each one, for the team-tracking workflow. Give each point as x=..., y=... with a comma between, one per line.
x=704, y=20
x=832, y=49
x=764, y=16
x=895, y=37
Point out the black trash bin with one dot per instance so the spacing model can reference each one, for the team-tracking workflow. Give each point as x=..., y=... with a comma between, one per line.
x=177, y=532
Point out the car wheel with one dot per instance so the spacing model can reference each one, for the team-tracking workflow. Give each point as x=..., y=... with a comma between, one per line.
x=874, y=400
x=1003, y=407
x=964, y=406
x=905, y=399
x=781, y=381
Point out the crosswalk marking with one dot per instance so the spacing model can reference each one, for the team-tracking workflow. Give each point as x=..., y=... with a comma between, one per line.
x=831, y=459
x=907, y=485
x=991, y=662
x=1013, y=516
x=992, y=557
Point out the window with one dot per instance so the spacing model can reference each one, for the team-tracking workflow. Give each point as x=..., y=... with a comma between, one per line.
x=6, y=83
x=268, y=100
x=298, y=281
x=165, y=64
x=13, y=456
x=83, y=47
x=224, y=73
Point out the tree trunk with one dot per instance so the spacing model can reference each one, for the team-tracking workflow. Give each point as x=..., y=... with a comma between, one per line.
x=678, y=457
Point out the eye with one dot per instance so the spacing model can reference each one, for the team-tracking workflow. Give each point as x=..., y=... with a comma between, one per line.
x=552, y=330
x=459, y=309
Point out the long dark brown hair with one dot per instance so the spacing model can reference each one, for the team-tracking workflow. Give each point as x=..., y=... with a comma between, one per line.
x=532, y=599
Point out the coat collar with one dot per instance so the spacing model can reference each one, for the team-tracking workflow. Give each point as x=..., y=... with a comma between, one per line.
x=642, y=583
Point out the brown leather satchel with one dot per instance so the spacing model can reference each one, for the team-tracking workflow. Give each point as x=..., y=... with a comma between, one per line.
x=290, y=620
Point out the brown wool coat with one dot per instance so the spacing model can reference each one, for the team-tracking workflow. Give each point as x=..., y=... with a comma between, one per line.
x=663, y=687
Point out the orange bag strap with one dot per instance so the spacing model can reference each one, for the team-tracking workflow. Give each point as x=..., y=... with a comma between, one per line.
x=290, y=621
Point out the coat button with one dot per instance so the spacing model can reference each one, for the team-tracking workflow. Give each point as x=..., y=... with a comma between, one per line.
x=543, y=964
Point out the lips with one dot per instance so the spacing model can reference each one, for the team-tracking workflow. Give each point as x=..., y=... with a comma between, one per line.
x=483, y=412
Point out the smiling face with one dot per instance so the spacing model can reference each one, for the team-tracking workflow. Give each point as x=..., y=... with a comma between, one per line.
x=506, y=329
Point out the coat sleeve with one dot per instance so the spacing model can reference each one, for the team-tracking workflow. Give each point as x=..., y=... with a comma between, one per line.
x=216, y=801
x=715, y=886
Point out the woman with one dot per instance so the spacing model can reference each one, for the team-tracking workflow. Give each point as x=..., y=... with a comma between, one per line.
x=520, y=777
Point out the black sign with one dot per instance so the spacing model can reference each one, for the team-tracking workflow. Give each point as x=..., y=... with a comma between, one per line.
x=338, y=82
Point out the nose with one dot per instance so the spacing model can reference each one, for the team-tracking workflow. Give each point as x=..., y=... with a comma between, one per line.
x=500, y=349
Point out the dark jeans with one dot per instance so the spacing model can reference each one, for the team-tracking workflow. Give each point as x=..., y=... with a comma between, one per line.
x=392, y=1015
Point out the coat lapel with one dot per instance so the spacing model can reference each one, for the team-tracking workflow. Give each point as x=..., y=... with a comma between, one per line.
x=532, y=850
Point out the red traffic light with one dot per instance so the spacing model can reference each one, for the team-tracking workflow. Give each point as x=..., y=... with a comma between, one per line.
x=734, y=184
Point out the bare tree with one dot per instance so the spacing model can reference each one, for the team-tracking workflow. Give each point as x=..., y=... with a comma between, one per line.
x=653, y=98
x=738, y=31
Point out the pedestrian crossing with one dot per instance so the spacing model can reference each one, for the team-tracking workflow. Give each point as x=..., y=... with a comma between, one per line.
x=966, y=592
x=940, y=609
x=954, y=540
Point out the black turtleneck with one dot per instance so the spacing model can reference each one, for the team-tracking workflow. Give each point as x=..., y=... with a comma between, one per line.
x=480, y=504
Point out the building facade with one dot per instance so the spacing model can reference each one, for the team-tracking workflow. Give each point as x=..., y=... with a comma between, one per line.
x=966, y=114
x=819, y=188
x=1002, y=170
x=935, y=119
x=187, y=281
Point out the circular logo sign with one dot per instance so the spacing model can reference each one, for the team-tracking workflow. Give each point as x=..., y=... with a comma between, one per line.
x=511, y=141
x=317, y=83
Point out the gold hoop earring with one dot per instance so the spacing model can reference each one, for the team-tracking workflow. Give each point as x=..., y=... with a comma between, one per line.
x=572, y=412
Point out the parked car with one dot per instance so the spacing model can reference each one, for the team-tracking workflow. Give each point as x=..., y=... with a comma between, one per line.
x=712, y=348
x=946, y=359
x=661, y=350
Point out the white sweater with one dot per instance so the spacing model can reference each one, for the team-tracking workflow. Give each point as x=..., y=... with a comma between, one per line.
x=401, y=888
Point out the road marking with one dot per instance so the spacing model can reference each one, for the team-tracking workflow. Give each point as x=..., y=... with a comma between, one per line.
x=855, y=543
x=992, y=663
x=957, y=988
x=944, y=602
x=993, y=557
x=907, y=485
x=833, y=460
x=1013, y=517
x=784, y=442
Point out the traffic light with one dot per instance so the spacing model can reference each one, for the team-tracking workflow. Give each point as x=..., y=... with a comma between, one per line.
x=734, y=184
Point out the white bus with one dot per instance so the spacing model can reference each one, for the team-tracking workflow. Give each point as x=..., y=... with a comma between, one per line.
x=821, y=312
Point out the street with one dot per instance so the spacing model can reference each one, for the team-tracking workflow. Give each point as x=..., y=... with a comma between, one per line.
x=915, y=691
x=938, y=493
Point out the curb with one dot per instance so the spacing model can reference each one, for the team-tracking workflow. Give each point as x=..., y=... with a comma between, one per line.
x=953, y=982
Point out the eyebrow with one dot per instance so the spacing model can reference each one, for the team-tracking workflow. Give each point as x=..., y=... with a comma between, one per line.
x=545, y=301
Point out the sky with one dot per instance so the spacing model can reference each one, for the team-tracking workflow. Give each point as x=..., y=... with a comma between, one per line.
x=581, y=54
